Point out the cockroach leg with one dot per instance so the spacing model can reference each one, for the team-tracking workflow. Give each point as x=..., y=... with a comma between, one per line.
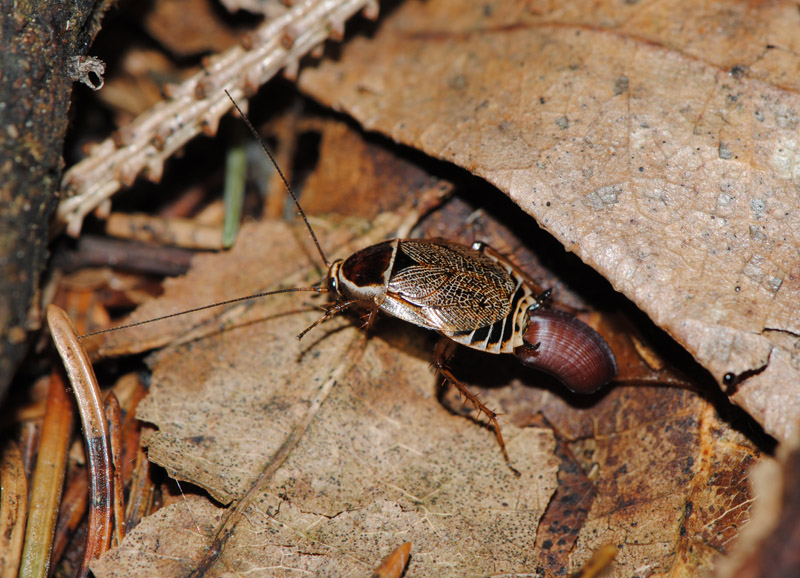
x=367, y=321
x=445, y=349
x=370, y=318
x=545, y=297
x=530, y=347
x=331, y=310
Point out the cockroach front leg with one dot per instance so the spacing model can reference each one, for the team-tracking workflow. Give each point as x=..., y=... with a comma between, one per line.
x=331, y=310
x=445, y=348
x=370, y=318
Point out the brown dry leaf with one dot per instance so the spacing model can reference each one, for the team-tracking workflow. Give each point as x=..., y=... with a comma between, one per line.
x=374, y=178
x=654, y=471
x=770, y=545
x=655, y=140
x=188, y=27
x=383, y=461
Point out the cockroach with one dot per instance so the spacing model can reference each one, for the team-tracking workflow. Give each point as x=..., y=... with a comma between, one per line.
x=469, y=295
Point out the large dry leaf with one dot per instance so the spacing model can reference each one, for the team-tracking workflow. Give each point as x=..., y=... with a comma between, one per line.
x=657, y=140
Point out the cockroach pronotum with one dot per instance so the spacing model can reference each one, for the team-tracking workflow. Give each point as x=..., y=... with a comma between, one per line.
x=470, y=295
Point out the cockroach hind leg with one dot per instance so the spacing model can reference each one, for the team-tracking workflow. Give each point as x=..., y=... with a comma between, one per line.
x=444, y=350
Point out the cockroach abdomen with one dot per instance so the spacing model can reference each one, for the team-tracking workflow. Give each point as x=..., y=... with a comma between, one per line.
x=568, y=349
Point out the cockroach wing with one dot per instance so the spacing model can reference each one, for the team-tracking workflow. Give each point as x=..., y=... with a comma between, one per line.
x=464, y=294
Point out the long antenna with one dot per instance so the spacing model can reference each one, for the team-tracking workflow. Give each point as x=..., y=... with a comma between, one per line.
x=256, y=295
x=204, y=307
x=283, y=178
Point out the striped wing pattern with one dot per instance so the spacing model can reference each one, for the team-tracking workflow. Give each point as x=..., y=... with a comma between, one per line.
x=464, y=294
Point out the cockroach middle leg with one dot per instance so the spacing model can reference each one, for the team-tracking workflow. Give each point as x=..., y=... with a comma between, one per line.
x=444, y=350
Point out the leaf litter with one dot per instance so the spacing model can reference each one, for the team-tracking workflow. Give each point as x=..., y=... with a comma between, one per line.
x=377, y=460
x=341, y=462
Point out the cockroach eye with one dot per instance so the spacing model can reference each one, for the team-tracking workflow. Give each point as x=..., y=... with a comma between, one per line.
x=333, y=285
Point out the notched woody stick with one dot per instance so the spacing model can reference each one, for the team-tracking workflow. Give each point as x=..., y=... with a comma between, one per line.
x=198, y=104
